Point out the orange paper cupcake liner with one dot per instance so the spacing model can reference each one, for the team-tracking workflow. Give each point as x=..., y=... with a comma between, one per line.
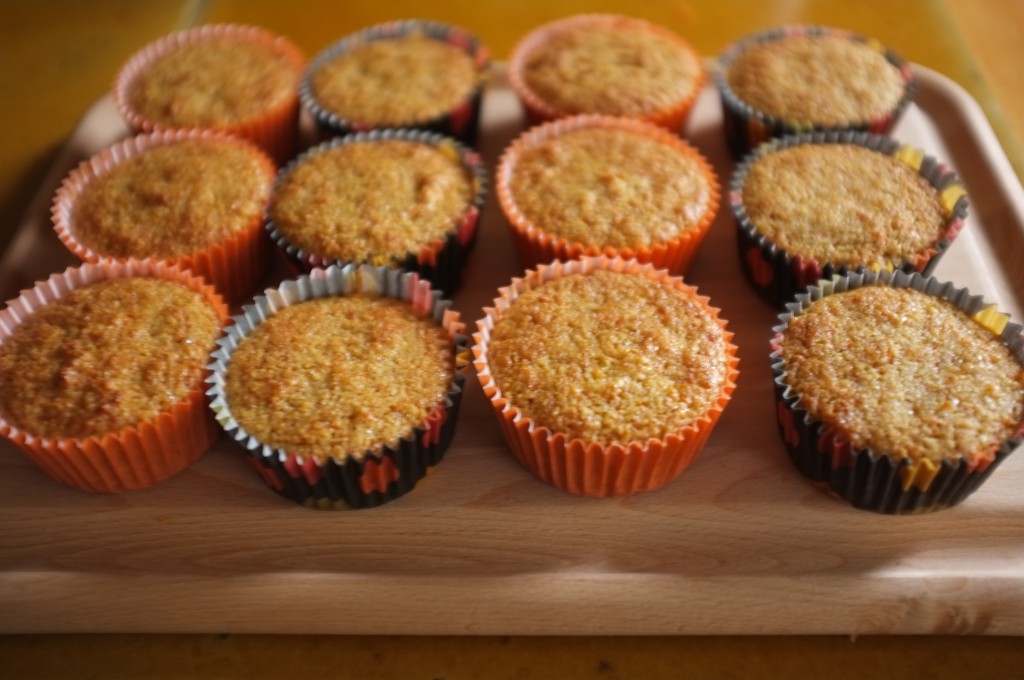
x=538, y=246
x=591, y=468
x=275, y=130
x=135, y=457
x=538, y=110
x=234, y=265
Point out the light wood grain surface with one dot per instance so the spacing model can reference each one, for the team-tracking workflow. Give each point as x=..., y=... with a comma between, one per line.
x=482, y=547
x=58, y=57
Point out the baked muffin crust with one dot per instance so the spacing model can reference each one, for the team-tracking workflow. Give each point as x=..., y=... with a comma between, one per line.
x=608, y=357
x=842, y=203
x=172, y=200
x=395, y=81
x=372, y=200
x=338, y=376
x=618, y=70
x=213, y=82
x=106, y=356
x=820, y=80
x=610, y=187
x=903, y=373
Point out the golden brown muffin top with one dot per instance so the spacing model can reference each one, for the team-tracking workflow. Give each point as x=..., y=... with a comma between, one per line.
x=609, y=357
x=214, y=82
x=819, y=80
x=372, y=200
x=618, y=70
x=172, y=200
x=904, y=373
x=399, y=80
x=338, y=376
x=107, y=356
x=842, y=203
x=610, y=187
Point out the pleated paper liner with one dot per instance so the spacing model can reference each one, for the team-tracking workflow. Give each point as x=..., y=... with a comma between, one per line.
x=440, y=261
x=672, y=116
x=591, y=468
x=375, y=476
x=777, y=274
x=275, y=129
x=876, y=480
x=461, y=122
x=135, y=457
x=235, y=265
x=746, y=127
x=536, y=245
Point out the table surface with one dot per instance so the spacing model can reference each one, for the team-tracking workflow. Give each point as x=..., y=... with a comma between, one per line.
x=57, y=57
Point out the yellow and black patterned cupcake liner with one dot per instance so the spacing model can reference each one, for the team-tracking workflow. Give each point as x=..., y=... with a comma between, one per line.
x=441, y=260
x=777, y=274
x=377, y=475
x=746, y=127
x=462, y=122
x=876, y=480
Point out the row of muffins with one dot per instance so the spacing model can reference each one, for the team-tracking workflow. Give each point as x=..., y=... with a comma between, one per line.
x=589, y=455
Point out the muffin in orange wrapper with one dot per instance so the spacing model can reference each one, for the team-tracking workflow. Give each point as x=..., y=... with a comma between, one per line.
x=101, y=373
x=192, y=198
x=241, y=80
x=606, y=375
x=811, y=206
x=343, y=385
x=798, y=79
x=606, y=64
x=406, y=198
x=417, y=74
x=602, y=185
x=897, y=392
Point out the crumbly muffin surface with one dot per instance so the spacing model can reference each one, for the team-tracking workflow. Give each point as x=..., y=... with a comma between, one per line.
x=395, y=81
x=904, y=373
x=106, y=356
x=338, y=376
x=609, y=357
x=609, y=187
x=842, y=203
x=215, y=82
x=616, y=70
x=816, y=80
x=372, y=200
x=172, y=200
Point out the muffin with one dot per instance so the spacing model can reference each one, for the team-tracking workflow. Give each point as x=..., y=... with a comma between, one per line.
x=606, y=375
x=405, y=198
x=101, y=373
x=192, y=198
x=343, y=386
x=590, y=185
x=897, y=392
x=606, y=64
x=402, y=74
x=809, y=78
x=240, y=80
x=810, y=206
